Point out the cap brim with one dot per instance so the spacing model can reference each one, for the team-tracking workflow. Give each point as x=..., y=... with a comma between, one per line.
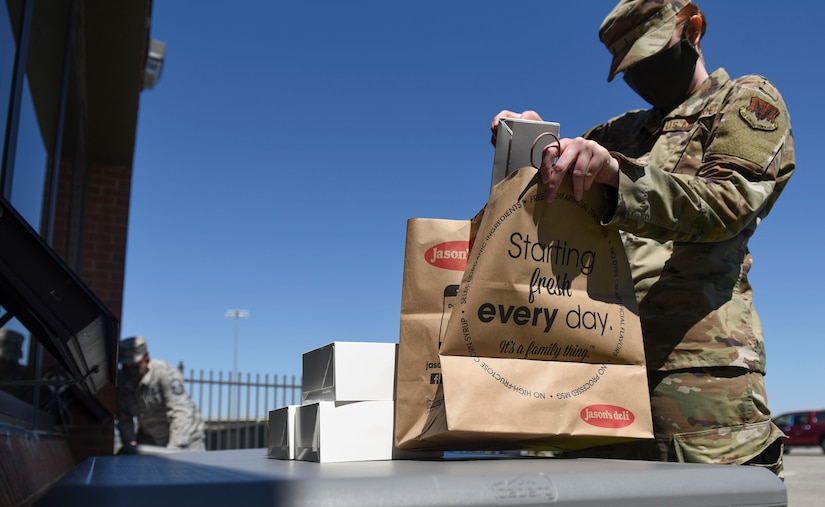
x=131, y=358
x=645, y=46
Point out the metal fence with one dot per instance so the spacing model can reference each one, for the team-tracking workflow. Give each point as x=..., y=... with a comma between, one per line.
x=236, y=411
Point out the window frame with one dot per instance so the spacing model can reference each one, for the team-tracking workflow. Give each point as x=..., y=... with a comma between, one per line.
x=38, y=288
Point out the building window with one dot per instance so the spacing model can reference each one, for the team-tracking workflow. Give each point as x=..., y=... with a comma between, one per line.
x=30, y=110
x=30, y=164
x=7, y=51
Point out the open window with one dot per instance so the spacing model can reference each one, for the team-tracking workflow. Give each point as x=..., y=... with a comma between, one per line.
x=56, y=307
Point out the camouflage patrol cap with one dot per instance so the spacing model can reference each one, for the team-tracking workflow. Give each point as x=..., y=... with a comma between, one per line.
x=132, y=349
x=637, y=29
x=11, y=344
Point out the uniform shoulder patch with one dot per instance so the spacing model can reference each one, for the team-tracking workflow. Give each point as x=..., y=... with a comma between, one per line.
x=760, y=114
x=177, y=387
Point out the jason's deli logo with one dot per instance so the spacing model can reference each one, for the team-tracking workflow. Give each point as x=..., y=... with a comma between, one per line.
x=449, y=255
x=607, y=416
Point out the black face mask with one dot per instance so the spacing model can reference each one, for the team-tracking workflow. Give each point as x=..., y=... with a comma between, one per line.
x=664, y=78
x=132, y=372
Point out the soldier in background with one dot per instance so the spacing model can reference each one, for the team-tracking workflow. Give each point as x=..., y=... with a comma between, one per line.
x=11, y=350
x=690, y=180
x=152, y=391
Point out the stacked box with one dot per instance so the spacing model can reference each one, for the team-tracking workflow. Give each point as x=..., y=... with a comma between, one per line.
x=281, y=432
x=334, y=431
x=349, y=371
x=347, y=410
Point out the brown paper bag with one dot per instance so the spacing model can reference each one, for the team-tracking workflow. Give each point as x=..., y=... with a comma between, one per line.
x=435, y=256
x=544, y=345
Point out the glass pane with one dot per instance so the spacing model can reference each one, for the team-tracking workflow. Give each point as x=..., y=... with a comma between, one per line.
x=7, y=48
x=783, y=420
x=30, y=164
x=39, y=108
x=14, y=346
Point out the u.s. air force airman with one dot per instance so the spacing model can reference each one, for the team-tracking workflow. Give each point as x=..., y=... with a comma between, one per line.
x=151, y=391
x=691, y=179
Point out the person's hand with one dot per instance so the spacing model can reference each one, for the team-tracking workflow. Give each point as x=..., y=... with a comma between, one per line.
x=128, y=448
x=586, y=160
x=524, y=115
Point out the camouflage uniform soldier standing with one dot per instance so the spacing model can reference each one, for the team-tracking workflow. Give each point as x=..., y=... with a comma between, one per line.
x=152, y=391
x=691, y=179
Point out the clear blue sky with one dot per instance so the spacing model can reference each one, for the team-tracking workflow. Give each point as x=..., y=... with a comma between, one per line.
x=287, y=143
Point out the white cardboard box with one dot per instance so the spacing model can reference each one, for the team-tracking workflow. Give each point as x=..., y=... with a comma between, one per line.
x=349, y=371
x=330, y=431
x=281, y=432
x=514, y=145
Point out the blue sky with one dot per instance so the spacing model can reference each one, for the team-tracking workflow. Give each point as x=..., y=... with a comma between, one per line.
x=287, y=143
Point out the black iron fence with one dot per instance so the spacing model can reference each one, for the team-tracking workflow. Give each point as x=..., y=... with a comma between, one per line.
x=236, y=409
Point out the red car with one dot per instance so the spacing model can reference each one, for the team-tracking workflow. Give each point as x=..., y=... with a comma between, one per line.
x=803, y=428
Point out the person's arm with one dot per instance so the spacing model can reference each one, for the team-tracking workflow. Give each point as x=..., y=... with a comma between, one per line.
x=747, y=159
x=180, y=410
x=125, y=419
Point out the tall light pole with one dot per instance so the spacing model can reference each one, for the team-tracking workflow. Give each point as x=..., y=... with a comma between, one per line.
x=237, y=315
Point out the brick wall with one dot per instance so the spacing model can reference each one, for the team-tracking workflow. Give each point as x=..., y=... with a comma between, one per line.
x=104, y=233
x=39, y=462
x=91, y=224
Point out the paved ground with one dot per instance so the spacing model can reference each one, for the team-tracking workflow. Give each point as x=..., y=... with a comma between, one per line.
x=805, y=477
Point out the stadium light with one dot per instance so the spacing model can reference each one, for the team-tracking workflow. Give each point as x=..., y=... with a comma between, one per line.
x=237, y=315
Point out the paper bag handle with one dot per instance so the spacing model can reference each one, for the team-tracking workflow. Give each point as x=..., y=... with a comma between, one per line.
x=536, y=141
x=537, y=178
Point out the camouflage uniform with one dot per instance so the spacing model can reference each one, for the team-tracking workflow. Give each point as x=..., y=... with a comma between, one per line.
x=694, y=184
x=166, y=415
